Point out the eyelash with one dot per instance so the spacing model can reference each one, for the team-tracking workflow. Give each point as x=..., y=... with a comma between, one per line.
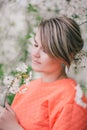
x=36, y=45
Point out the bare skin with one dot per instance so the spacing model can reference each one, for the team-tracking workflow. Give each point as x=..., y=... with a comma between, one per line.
x=8, y=120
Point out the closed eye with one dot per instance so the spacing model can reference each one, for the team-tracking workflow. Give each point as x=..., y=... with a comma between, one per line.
x=35, y=45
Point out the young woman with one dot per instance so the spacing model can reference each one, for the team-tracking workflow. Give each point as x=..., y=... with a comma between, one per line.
x=49, y=103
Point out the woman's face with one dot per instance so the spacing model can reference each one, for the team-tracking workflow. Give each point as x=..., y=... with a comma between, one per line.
x=41, y=61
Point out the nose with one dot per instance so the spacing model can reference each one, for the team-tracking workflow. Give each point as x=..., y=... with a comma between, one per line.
x=36, y=52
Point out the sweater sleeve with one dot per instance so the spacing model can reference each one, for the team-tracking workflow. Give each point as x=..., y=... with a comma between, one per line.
x=71, y=117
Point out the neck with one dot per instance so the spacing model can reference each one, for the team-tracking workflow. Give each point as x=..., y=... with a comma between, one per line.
x=53, y=77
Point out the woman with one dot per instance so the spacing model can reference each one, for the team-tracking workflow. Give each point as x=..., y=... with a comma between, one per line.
x=49, y=103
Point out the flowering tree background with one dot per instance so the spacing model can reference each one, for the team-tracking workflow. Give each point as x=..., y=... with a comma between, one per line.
x=18, y=22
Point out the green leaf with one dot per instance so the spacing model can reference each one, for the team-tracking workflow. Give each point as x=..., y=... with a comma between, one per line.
x=29, y=69
x=28, y=36
x=1, y=71
x=49, y=9
x=32, y=8
x=38, y=18
x=75, y=16
x=10, y=98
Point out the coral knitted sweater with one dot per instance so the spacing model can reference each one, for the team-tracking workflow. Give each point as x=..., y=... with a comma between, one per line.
x=50, y=106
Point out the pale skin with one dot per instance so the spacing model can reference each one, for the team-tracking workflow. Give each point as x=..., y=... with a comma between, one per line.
x=8, y=119
x=51, y=70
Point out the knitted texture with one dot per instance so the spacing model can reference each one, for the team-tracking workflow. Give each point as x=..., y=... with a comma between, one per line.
x=50, y=106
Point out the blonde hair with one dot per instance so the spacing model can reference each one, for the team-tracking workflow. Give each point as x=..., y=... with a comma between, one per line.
x=60, y=37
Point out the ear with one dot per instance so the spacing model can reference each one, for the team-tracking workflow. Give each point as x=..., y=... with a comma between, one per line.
x=72, y=56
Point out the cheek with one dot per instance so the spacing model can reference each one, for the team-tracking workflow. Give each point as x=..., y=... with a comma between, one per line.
x=32, y=52
x=52, y=64
x=47, y=61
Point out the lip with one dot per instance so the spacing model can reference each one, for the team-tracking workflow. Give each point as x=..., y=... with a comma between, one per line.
x=36, y=62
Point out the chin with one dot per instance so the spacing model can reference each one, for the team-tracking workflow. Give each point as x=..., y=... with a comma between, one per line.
x=36, y=69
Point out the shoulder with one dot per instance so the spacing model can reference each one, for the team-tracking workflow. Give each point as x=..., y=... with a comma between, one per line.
x=67, y=92
x=71, y=116
x=67, y=107
x=64, y=90
x=63, y=93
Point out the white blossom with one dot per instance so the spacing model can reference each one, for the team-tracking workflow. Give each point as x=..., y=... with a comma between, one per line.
x=14, y=90
x=27, y=81
x=30, y=75
x=22, y=68
x=78, y=97
x=7, y=80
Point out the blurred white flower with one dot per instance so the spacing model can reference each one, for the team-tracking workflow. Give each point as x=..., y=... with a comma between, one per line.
x=30, y=75
x=27, y=81
x=14, y=90
x=22, y=68
x=78, y=97
x=13, y=83
x=22, y=2
x=7, y=80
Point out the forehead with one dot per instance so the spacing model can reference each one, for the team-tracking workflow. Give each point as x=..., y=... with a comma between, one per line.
x=37, y=37
x=37, y=34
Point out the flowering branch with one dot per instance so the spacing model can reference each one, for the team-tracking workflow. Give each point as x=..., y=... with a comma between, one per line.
x=23, y=75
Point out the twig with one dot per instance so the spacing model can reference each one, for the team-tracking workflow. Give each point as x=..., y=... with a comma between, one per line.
x=82, y=23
